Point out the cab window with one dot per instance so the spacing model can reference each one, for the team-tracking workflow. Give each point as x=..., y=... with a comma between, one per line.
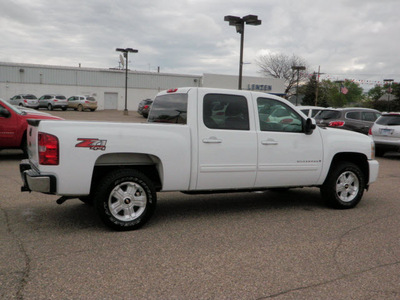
x=221, y=111
x=275, y=115
x=169, y=108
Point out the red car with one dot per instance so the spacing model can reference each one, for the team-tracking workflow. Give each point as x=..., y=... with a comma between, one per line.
x=13, y=125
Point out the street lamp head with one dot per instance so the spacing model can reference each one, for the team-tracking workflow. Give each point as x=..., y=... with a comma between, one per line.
x=252, y=20
x=125, y=50
x=249, y=20
x=298, y=67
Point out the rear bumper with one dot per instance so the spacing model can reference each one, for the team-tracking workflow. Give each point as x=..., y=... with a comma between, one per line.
x=34, y=181
x=373, y=170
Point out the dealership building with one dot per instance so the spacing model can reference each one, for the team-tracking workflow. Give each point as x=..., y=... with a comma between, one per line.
x=108, y=85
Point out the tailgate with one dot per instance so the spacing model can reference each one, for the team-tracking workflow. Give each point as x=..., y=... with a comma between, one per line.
x=32, y=136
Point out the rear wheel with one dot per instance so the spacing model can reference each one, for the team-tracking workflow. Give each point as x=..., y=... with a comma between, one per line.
x=49, y=107
x=80, y=107
x=344, y=186
x=125, y=199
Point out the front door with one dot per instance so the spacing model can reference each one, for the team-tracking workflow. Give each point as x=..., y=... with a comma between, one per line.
x=286, y=155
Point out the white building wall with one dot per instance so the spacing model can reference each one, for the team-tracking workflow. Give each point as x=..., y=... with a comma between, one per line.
x=69, y=81
x=261, y=84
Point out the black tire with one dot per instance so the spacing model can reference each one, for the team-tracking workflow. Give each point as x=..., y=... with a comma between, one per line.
x=379, y=152
x=80, y=108
x=64, y=108
x=50, y=107
x=24, y=146
x=344, y=186
x=125, y=200
x=87, y=200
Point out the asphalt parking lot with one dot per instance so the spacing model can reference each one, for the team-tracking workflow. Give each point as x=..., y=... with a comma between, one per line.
x=266, y=245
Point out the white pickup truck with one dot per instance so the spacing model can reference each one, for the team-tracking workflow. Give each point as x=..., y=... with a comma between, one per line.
x=196, y=140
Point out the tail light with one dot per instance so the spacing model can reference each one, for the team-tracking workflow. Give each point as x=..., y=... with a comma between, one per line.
x=26, y=101
x=370, y=131
x=145, y=107
x=48, y=149
x=336, y=124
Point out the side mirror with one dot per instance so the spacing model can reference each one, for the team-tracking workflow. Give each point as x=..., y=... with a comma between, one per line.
x=310, y=126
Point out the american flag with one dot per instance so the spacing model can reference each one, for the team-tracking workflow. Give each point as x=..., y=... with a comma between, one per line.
x=343, y=90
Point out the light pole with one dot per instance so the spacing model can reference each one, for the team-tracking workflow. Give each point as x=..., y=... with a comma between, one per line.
x=298, y=68
x=239, y=22
x=125, y=51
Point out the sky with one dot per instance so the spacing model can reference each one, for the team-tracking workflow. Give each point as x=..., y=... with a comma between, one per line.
x=347, y=39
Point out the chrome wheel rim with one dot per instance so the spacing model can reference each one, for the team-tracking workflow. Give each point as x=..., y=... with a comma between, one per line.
x=347, y=186
x=127, y=201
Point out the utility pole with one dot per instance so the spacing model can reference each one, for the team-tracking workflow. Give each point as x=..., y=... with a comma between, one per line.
x=317, y=82
x=298, y=68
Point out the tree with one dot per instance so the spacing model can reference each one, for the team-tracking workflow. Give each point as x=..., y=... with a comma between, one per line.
x=330, y=93
x=378, y=91
x=280, y=66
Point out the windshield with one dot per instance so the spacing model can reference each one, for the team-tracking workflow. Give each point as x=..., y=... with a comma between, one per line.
x=170, y=108
x=328, y=114
x=12, y=107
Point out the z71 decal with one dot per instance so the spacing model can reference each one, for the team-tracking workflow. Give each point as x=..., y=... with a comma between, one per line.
x=92, y=144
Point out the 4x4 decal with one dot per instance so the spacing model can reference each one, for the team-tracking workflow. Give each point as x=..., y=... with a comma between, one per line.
x=92, y=144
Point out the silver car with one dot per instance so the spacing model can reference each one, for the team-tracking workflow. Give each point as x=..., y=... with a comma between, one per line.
x=26, y=100
x=386, y=133
x=51, y=101
x=80, y=103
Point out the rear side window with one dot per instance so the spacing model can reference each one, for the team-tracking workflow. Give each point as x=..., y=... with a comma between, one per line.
x=60, y=97
x=170, y=108
x=229, y=112
x=354, y=115
x=389, y=120
x=369, y=116
x=328, y=114
x=91, y=99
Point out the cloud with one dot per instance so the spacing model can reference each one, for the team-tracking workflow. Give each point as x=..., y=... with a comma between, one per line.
x=348, y=38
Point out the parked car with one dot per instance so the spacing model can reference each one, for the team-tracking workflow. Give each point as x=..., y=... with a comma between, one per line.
x=80, y=103
x=13, y=125
x=386, y=133
x=311, y=111
x=51, y=101
x=355, y=119
x=144, y=107
x=26, y=100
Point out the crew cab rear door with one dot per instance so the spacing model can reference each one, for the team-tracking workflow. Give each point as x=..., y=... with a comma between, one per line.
x=227, y=155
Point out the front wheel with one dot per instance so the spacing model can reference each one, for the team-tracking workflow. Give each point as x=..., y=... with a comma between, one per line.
x=125, y=199
x=344, y=186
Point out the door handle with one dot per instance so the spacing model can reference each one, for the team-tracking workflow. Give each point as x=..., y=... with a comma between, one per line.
x=269, y=142
x=212, y=140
